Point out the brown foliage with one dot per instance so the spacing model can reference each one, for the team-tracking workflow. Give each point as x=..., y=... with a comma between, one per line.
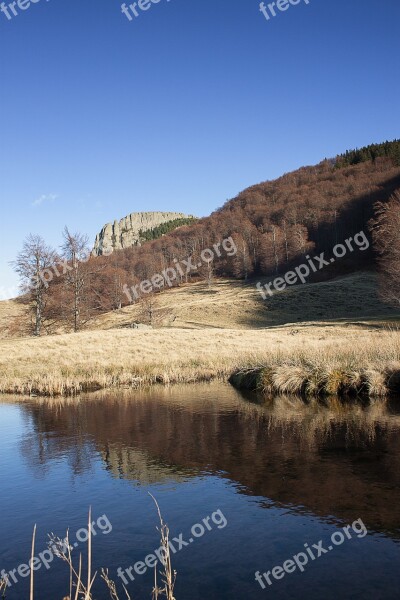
x=386, y=235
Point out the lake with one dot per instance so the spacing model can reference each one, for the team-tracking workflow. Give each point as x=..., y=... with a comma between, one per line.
x=244, y=484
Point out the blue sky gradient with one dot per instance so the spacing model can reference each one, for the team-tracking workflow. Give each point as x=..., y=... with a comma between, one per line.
x=182, y=107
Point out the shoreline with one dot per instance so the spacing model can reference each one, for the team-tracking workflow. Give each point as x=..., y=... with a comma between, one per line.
x=68, y=388
x=307, y=360
x=365, y=384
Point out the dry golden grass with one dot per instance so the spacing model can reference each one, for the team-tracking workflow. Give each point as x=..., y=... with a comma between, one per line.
x=3, y=586
x=209, y=333
x=237, y=305
x=368, y=364
x=71, y=363
x=13, y=317
x=81, y=583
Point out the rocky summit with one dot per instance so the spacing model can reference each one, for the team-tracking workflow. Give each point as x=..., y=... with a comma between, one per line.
x=126, y=232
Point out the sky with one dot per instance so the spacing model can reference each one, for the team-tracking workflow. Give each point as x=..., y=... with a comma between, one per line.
x=181, y=107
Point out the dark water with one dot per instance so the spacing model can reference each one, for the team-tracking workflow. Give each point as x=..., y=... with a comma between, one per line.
x=270, y=477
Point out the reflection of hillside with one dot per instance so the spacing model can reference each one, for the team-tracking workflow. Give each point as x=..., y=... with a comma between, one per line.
x=64, y=428
x=136, y=465
x=334, y=460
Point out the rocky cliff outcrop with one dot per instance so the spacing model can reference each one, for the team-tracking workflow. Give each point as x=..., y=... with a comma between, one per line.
x=125, y=233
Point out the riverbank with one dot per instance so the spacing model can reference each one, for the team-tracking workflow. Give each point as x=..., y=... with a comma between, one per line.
x=364, y=371
x=69, y=364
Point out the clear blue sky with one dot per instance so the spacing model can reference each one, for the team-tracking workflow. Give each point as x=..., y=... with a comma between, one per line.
x=182, y=107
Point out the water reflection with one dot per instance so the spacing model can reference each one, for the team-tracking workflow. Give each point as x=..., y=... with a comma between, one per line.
x=330, y=459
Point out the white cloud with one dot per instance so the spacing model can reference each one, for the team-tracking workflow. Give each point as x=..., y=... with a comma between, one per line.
x=44, y=198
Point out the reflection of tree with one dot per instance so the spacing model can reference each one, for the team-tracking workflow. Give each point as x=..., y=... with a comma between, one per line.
x=56, y=434
x=325, y=458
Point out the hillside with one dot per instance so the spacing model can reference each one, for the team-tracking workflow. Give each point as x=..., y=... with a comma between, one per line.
x=231, y=304
x=266, y=231
x=274, y=225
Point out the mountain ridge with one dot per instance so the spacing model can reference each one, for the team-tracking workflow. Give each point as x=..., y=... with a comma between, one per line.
x=126, y=232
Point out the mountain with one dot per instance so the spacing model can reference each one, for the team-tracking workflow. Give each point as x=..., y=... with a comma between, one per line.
x=135, y=228
x=318, y=214
x=277, y=224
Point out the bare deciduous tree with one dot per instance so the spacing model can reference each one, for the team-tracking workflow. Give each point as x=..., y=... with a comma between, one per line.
x=79, y=300
x=386, y=236
x=151, y=312
x=33, y=264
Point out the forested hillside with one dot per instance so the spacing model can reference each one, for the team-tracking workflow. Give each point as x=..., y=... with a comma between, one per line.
x=164, y=228
x=371, y=152
x=276, y=222
x=273, y=224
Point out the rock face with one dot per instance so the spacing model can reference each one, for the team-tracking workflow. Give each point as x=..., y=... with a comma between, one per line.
x=125, y=233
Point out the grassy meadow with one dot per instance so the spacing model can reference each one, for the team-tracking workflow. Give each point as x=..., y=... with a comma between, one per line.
x=211, y=334
x=91, y=360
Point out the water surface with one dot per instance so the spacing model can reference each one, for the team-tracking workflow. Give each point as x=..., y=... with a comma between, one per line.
x=282, y=473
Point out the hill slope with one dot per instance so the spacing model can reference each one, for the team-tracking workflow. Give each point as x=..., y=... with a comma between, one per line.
x=274, y=225
x=231, y=304
x=271, y=228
